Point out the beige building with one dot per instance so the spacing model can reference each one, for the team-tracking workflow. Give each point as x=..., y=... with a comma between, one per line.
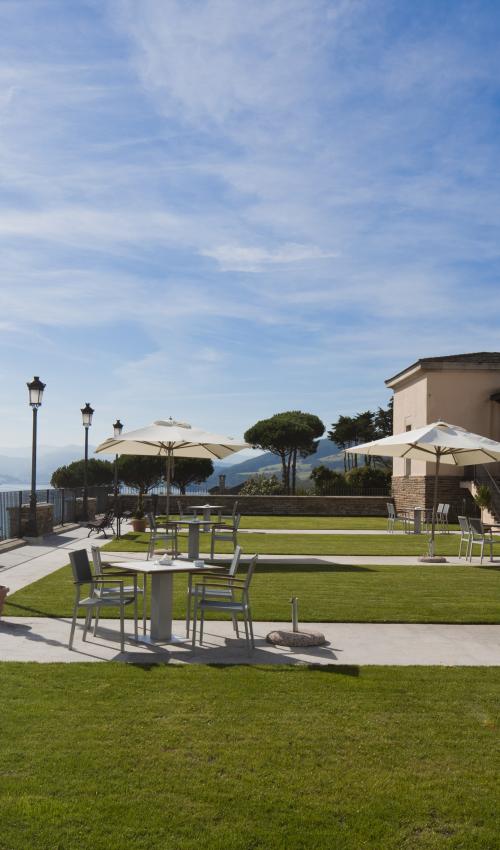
x=462, y=389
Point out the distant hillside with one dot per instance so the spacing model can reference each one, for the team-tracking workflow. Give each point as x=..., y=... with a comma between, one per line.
x=328, y=454
x=15, y=468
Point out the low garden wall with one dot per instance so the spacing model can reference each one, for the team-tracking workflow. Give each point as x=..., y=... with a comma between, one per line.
x=274, y=505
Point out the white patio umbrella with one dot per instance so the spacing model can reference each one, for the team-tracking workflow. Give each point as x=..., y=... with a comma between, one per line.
x=167, y=438
x=438, y=443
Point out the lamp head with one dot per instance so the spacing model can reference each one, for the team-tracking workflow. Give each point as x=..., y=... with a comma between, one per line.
x=87, y=413
x=35, y=389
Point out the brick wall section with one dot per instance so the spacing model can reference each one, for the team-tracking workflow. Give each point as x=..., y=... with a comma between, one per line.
x=18, y=526
x=276, y=505
x=418, y=491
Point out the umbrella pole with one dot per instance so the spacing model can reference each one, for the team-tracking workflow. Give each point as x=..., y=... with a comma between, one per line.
x=434, y=506
x=169, y=476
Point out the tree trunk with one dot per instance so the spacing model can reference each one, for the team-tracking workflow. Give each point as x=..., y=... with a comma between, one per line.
x=284, y=472
x=294, y=471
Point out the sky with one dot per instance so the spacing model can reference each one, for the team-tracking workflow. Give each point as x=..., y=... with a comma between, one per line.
x=218, y=210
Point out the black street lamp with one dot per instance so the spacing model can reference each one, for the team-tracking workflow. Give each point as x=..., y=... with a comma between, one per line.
x=87, y=414
x=35, y=389
x=117, y=430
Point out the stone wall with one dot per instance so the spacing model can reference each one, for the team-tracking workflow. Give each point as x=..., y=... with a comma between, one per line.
x=418, y=491
x=19, y=520
x=274, y=505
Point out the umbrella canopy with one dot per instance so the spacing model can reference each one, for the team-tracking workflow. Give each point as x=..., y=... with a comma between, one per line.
x=436, y=443
x=169, y=439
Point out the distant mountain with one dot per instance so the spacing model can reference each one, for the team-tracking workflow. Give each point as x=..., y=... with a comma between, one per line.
x=328, y=454
x=15, y=464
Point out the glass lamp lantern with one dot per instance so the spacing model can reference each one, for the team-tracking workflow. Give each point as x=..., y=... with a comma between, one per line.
x=35, y=389
x=117, y=428
x=87, y=413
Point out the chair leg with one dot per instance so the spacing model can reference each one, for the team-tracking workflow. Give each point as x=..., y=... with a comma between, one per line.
x=202, y=623
x=96, y=621
x=136, y=630
x=122, y=629
x=188, y=602
x=250, y=624
x=88, y=620
x=73, y=626
x=247, y=637
x=144, y=603
x=212, y=547
x=195, y=613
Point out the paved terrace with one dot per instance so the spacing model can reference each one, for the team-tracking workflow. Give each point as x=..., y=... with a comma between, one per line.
x=45, y=639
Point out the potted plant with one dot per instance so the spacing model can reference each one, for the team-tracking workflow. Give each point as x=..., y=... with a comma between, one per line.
x=482, y=498
x=138, y=520
x=3, y=593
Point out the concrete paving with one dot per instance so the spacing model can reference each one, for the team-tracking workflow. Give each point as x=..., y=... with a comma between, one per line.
x=45, y=640
x=26, y=564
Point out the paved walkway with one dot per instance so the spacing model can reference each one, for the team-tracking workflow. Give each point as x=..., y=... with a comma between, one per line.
x=46, y=640
x=26, y=564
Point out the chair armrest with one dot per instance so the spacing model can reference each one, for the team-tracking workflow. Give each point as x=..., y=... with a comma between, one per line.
x=230, y=582
x=122, y=573
x=105, y=581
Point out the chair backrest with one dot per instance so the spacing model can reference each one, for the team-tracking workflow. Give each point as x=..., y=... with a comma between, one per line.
x=233, y=569
x=96, y=560
x=476, y=527
x=439, y=509
x=391, y=511
x=250, y=571
x=152, y=522
x=464, y=525
x=179, y=508
x=445, y=511
x=81, y=566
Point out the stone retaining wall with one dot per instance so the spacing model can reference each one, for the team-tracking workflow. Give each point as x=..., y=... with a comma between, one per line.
x=19, y=520
x=275, y=505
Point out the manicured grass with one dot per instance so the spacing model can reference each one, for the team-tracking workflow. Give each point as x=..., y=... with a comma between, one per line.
x=310, y=544
x=416, y=594
x=95, y=757
x=320, y=523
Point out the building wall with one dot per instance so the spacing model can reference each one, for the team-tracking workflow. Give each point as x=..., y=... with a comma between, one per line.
x=460, y=396
x=410, y=411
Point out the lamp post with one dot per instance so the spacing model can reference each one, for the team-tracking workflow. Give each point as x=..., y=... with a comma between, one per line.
x=117, y=430
x=87, y=414
x=35, y=389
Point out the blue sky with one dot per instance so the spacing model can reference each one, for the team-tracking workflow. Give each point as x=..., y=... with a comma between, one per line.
x=217, y=210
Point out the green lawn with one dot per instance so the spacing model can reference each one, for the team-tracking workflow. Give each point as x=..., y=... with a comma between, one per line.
x=320, y=523
x=353, y=523
x=418, y=594
x=129, y=757
x=310, y=544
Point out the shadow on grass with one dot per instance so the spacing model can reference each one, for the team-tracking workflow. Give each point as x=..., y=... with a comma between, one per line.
x=351, y=670
x=317, y=567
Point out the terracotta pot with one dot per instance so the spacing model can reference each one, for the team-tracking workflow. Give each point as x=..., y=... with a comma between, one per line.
x=3, y=593
x=139, y=524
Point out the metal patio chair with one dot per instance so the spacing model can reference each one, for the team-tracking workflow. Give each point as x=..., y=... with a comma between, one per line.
x=167, y=536
x=234, y=605
x=228, y=593
x=103, y=570
x=465, y=536
x=479, y=536
x=393, y=517
x=97, y=599
x=224, y=532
